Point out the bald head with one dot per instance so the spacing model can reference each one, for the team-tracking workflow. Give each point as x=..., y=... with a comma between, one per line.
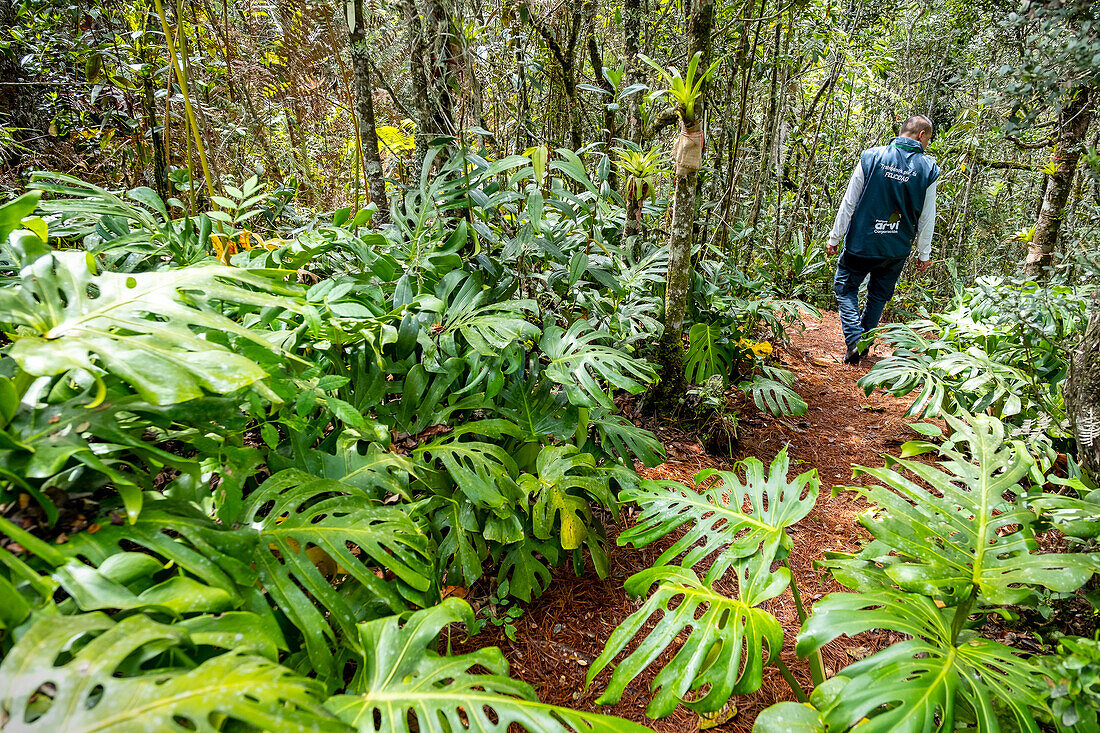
x=917, y=127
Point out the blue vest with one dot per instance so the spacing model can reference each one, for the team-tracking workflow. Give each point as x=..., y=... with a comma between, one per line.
x=895, y=179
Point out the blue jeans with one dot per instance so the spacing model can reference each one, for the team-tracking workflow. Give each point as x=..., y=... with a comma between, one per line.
x=851, y=271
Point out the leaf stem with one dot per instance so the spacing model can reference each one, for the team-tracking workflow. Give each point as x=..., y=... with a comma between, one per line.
x=795, y=687
x=962, y=613
x=817, y=667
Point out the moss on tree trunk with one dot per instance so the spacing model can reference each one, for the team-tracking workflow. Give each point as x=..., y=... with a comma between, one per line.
x=670, y=349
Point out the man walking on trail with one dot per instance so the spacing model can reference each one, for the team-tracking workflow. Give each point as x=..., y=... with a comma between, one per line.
x=891, y=199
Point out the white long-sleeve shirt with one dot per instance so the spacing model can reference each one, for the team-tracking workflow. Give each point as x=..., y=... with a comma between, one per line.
x=925, y=225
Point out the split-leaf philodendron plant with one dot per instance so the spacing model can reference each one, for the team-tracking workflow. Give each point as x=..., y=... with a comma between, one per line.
x=954, y=541
x=261, y=460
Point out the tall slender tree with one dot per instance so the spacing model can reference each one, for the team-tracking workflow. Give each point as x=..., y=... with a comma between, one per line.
x=364, y=107
x=670, y=349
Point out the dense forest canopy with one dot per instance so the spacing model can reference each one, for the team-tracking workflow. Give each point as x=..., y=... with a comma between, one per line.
x=335, y=337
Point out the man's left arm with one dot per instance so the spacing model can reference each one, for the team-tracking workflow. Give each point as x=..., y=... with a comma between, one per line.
x=926, y=225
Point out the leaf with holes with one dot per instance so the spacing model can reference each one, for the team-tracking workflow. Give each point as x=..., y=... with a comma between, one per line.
x=148, y=328
x=405, y=685
x=622, y=438
x=906, y=372
x=463, y=307
x=729, y=519
x=578, y=361
x=774, y=396
x=531, y=405
x=87, y=673
x=951, y=528
x=307, y=527
x=728, y=644
x=925, y=682
x=709, y=353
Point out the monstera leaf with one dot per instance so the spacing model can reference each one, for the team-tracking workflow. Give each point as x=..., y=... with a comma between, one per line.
x=533, y=406
x=481, y=470
x=87, y=673
x=774, y=396
x=403, y=685
x=305, y=526
x=954, y=532
x=789, y=717
x=523, y=567
x=622, y=438
x=795, y=717
x=563, y=473
x=578, y=362
x=728, y=644
x=927, y=681
x=374, y=469
x=1074, y=517
x=729, y=519
x=710, y=353
x=151, y=329
x=907, y=371
x=53, y=439
x=297, y=534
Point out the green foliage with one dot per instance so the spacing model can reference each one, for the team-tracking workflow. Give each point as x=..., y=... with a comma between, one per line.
x=729, y=519
x=734, y=526
x=728, y=643
x=1074, y=680
x=404, y=684
x=90, y=673
x=684, y=89
x=950, y=539
x=163, y=333
x=775, y=395
x=1002, y=347
x=710, y=352
x=958, y=534
x=932, y=680
x=577, y=359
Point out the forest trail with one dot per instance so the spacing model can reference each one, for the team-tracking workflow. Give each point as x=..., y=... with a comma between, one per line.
x=564, y=630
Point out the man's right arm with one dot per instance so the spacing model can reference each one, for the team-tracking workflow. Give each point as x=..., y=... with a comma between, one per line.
x=847, y=207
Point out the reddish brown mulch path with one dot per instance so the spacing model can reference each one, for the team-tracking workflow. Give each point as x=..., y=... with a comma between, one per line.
x=564, y=630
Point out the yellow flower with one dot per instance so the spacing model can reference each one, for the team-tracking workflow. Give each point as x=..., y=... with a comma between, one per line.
x=760, y=349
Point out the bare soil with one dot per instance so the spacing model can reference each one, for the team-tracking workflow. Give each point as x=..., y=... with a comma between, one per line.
x=564, y=630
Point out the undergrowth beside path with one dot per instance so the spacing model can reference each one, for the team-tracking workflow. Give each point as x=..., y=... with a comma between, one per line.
x=564, y=630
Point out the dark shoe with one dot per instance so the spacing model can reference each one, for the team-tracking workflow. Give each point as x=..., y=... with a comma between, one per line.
x=853, y=356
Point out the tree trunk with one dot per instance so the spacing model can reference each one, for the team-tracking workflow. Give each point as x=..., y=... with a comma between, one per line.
x=566, y=55
x=632, y=27
x=670, y=349
x=1082, y=394
x=364, y=108
x=160, y=154
x=610, y=126
x=1073, y=125
x=417, y=66
x=523, y=110
x=766, y=146
x=442, y=58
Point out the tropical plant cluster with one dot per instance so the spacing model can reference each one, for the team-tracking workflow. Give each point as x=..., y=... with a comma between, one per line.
x=326, y=340
x=293, y=442
x=1001, y=346
x=954, y=542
